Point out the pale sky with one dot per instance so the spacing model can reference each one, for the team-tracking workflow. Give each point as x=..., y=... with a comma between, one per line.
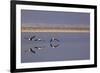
x=53, y=18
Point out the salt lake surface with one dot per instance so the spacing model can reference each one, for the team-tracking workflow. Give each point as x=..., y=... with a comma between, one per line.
x=72, y=46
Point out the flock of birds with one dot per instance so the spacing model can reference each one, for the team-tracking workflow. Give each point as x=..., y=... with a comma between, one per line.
x=54, y=43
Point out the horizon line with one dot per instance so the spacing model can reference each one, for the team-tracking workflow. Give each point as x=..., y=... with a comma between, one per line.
x=57, y=29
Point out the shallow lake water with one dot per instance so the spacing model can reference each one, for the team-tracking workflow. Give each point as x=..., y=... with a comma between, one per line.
x=71, y=46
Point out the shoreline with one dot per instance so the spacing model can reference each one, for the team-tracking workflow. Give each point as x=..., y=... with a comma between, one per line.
x=43, y=29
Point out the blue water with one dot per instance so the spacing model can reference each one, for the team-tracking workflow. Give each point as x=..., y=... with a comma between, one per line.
x=72, y=46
